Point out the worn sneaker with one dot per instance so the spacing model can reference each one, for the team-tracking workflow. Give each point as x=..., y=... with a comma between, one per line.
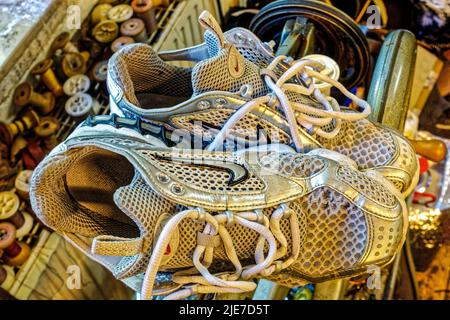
x=207, y=222
x=276, y=99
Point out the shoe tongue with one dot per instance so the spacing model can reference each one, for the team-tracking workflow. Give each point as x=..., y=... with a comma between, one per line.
x=226, y=69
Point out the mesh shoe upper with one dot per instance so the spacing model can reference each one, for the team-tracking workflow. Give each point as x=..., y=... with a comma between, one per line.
x=138, y=71
x=138, y=209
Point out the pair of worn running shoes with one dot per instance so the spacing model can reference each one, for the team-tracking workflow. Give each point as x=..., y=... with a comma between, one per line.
x=204, y=179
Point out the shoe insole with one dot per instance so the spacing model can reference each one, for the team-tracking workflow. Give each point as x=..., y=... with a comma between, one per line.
x=150, y=100
x=93, y=180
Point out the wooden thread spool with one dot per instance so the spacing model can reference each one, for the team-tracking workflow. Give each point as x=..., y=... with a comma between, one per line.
x=9, y=211
x=134, y=28
x=100, y=13
x=47, y=130
x=105, y=31
x=121, y=42
x=145, y=10
x=44, y=70
x=99, y=71
x=80, y=106
x=22, y=184
x=24, y=94
x=73, y=64
x=6, y=277
x=17, y=146
x=27, y=122
x=120, y=13
x=62, y=42
x=15, y=253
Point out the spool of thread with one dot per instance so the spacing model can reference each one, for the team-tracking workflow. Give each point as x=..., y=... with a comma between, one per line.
x=62, y=42
x=27, y=122
x=134, y=28
x=22, y=184
x=47, y=130
x=48, y=126
x=100, y=13
x=80, y=106
x=32, y=155
x=73, y=64
x=6, y=277
x=17, y=146
x=24, y=94
x=145, y=10
x=120, y=13
x=75, y=84
x=44, y=70
x=105, y=31
x=99, y=71
x=9, y=211
x=15, y=253
x=121, y=42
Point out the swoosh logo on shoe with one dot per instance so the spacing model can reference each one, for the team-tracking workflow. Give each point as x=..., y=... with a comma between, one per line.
x=237, y=172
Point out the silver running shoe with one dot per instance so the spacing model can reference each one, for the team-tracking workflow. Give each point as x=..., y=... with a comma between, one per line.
x=238, y=94
x=180, y=222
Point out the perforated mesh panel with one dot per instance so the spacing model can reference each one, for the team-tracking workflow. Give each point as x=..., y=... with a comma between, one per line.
x=292, y=164
x=212, y=43
x=205, y=177
x=138, y=69
x=247, y=127
x=213, y=74
x=336, y=233
x=368, y=145
x=407, y=155
x=385, y=243
x=253, y=55
x=367, y=186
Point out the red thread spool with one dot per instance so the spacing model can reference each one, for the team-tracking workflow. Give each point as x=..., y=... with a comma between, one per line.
x=14, y=253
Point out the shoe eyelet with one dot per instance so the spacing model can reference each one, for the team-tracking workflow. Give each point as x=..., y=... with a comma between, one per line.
x=239, y=37
x=163, y=178
x=204, y=104
x=177, y=189
x=220, y=102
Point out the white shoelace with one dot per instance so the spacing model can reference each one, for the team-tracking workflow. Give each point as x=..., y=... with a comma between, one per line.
x=198, y=279
x=309, y=117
